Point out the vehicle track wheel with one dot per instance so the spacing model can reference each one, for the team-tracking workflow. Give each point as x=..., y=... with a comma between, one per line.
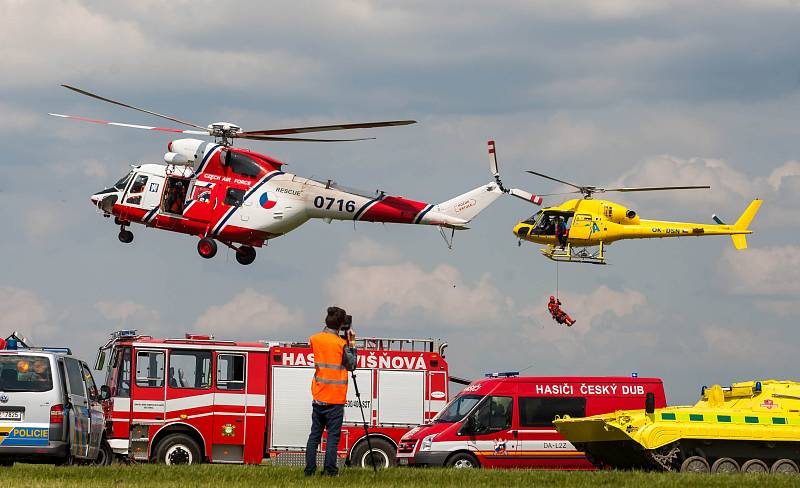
x=207, y=248
x=462, y=460
x=245, y=255
x=383, y=454
x=755, y=466
x=105, y=455
x=178, y=449
x=785, y=466
x=125, y=236
x=695, y=464
x=725, y=465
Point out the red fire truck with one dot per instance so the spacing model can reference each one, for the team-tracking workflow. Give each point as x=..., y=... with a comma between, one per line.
x=198, y=399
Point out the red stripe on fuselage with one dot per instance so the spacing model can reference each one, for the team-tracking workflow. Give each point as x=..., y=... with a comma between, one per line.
x=394, y=209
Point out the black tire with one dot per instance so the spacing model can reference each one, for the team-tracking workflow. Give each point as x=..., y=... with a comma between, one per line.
x=755, y=466
x=383, y=453
x=178, y=449
x=105, y=456
x=207, y=248
x=462, y=460
x=725, y=465
x=245, y=255
x=785, y=466
x=125, y=236
x=695, y=464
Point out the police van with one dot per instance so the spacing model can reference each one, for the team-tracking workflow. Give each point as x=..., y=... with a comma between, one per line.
x=50, y=410
x=504, y=421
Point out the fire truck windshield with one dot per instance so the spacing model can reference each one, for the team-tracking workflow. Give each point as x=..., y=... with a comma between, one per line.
x=457, y=409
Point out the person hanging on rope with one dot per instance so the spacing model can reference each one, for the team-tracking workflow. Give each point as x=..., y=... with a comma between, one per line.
x=560, y=316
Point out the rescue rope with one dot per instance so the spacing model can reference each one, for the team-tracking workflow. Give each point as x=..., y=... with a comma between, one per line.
x=557, y=280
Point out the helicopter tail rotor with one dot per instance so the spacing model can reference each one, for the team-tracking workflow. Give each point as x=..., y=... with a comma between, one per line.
x=516, y=192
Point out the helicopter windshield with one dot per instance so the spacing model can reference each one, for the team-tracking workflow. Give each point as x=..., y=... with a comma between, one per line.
x=534, y=218
x=120, y=185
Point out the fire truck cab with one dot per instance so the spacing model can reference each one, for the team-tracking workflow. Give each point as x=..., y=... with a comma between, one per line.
x=198, y=399
x=504, y=421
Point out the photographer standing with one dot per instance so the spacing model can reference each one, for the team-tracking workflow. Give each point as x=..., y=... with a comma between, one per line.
x=334, y=356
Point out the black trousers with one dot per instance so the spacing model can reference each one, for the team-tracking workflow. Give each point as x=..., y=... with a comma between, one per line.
x=324, y=417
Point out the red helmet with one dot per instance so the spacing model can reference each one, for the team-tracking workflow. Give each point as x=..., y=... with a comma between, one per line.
x=552, y=298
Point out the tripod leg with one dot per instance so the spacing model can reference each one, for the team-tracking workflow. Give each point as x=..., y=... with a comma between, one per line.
x=364, y=421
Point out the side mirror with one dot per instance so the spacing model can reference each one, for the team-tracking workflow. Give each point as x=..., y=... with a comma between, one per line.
x=468, y=427
x=105, y=393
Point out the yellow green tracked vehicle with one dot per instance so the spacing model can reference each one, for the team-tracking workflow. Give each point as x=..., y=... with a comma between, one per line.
x=753, y=426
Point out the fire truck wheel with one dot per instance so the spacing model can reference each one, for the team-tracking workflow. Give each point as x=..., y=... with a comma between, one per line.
x=178, y=449
x=207, y=248
x=383, y=454
x=105, y=455
x=462, y=460
x=245, y=255
x=125, y=236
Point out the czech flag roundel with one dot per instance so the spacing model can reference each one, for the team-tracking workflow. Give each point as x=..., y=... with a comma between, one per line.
x=266, y=202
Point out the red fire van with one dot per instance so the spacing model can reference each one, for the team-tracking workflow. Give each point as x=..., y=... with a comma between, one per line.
x=506, y=422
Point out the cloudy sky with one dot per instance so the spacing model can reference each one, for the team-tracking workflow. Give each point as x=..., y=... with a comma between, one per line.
x=597, y=92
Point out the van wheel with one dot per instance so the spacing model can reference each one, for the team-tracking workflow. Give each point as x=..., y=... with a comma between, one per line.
x=178, y=449
x=104, y=456
x=383, y=455
x=462, y=460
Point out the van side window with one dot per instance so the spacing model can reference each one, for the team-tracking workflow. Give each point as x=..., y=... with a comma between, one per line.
x=494, y=414
x=88, y=380
x=74, y=377
x=230, y=372
x=190, y=369
x=150, y=369
x=541, y=411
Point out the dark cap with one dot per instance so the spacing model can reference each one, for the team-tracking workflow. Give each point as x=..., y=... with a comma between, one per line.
x=335, y=318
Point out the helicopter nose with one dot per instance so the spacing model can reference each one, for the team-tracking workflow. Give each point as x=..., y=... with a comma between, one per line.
x=105, y=199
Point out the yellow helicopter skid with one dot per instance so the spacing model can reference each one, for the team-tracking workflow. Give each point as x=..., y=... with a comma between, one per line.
x=567, y=255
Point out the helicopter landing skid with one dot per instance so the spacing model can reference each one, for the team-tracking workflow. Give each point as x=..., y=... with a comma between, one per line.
x=580, y=255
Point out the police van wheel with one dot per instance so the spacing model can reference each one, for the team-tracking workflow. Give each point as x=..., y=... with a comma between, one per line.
x=383, y=454
x=462, y=460
x=104, y=456
x=245, y=255
x=207, y=248
x=125, y=236
x=178, y=449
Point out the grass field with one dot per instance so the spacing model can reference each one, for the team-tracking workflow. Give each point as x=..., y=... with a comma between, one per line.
x=222, y=476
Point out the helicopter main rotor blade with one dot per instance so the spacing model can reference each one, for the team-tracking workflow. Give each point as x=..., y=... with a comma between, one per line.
x=300, y=139
x=557, y=180
x=654, y=188
x=121, y=104
x=324, y=128
x=133, y=126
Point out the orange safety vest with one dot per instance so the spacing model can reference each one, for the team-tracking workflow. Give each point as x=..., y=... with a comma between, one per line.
x=330, y=378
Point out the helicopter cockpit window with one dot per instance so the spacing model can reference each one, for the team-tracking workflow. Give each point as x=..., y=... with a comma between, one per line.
x=546, y=224
x=234, y=197
x=534, y=218
x=242, y=164
x=123, y=182
x=138, y=184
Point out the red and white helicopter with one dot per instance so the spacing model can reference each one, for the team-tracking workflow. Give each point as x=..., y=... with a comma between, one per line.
x=242, y=199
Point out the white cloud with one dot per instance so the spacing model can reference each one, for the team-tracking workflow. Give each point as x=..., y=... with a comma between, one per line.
x=759, y=346
x=250, y=314
x=405, y=290
x=762, y=271
x=44, y=221
x=23, y=310
x=121, y=312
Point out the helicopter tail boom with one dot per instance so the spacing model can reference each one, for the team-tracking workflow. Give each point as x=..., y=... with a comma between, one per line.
x=467, y=206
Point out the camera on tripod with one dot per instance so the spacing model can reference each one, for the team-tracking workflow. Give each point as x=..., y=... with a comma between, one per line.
x=346, y=325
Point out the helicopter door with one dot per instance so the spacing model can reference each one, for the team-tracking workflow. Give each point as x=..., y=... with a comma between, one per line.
x=144, y=191
x=581, y=228
x=199, y=201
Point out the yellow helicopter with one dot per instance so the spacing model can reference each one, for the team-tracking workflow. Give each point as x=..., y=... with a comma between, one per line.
x=579, y=229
